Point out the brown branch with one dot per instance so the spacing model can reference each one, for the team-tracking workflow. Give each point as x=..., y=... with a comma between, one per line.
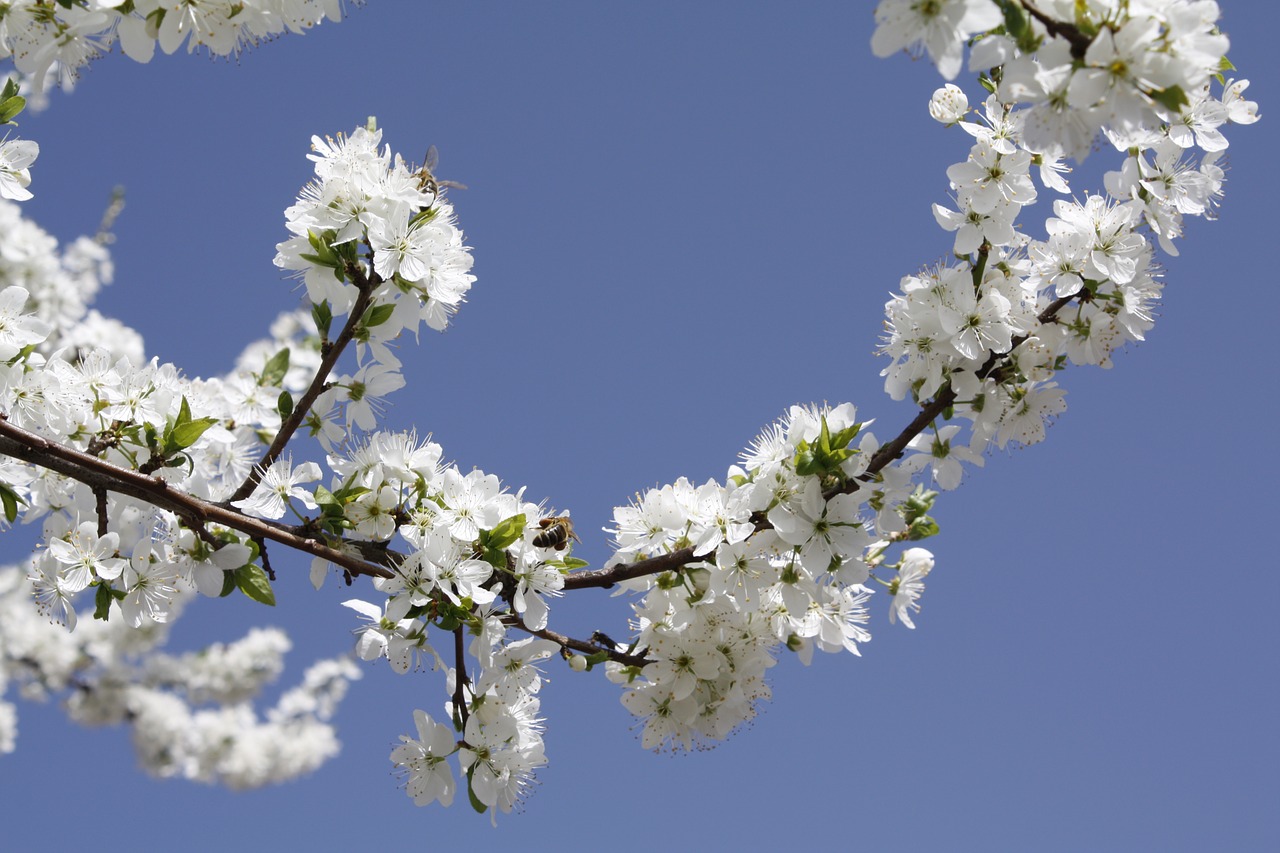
x=584, y=646
x=460, y=680
x=266, y=561
x=100, y=501
x=1079, y=41
x=319, y=382
x=195, y=513
x=626, y=571
x=886, y=453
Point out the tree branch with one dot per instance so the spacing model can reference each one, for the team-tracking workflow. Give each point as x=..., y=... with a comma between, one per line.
x=584, y=646
x=319, y=382
x=102, y=476
x=887, y=452
x=1079, y=41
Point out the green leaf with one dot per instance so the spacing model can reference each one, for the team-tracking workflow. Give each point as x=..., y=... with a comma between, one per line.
x=480, y=807
x=11, y=501
x=10, y=107
x=1173, y=98
x=253, y=582
x=505, y=534
x=22, y=354
x=377, y=315
x=572, y=563
x=102, y=602
x=922, y=528
x=422, y=216
x=10, y=89
x=1015, y=21
x=228, y=584
x=323, y=315
x=275, y=369
x=185, y=435
x=284, y=404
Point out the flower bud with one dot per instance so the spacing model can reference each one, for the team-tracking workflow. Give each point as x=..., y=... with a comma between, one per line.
x=948, y=104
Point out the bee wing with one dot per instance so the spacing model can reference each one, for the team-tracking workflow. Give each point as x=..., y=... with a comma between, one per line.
x=453, y=185
x=432, y=159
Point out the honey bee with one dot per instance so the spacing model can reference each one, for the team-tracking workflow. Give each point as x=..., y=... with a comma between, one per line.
x=427, y=180
x=555, y=533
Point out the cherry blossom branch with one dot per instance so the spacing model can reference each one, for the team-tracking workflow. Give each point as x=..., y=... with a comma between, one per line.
x=460, y=678
x=1079, y=41
x=607, y=577
x=102, y=476
x=893, y=449
x=319, y=382
x=887, y=452
x=585, y=646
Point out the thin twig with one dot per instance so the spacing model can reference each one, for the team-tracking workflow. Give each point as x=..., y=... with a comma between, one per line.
x=319, y=383
x=100, y=500
x=883, y=456
x=460, y=679
x=584, y=646
x=1079, y=41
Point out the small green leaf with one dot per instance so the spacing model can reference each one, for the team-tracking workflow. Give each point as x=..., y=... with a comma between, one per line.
x=10, y=107
x=185, y=435
x=1015, y=21
x=572, y=563
x=1172, y=98
x=480, y=807
x=22, y=354
x=422, y=216
x=11, y=501
x=505, y=534
x=253, y=582
x=495, y=557
x=323, y=315
x=284, y=404
x=377, y=315
x=102, y=602
x=228, y=584
x=922, y=528
x=275, y=369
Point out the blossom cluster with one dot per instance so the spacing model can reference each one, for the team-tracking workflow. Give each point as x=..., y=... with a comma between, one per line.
x=191, y=715
x=44, y=38
x=988, y=332
x=476, y=562
x=786, y=554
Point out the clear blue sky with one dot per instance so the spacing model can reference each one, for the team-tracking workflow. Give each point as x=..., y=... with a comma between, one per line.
x=687, y=217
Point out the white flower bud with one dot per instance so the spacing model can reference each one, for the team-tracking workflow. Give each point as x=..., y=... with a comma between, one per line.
x=948, y=104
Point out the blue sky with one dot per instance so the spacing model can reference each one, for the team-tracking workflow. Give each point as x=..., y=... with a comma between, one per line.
x=687, y=217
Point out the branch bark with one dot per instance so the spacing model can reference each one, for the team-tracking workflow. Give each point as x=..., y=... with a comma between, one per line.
x=102, y=476
x=319, y=382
